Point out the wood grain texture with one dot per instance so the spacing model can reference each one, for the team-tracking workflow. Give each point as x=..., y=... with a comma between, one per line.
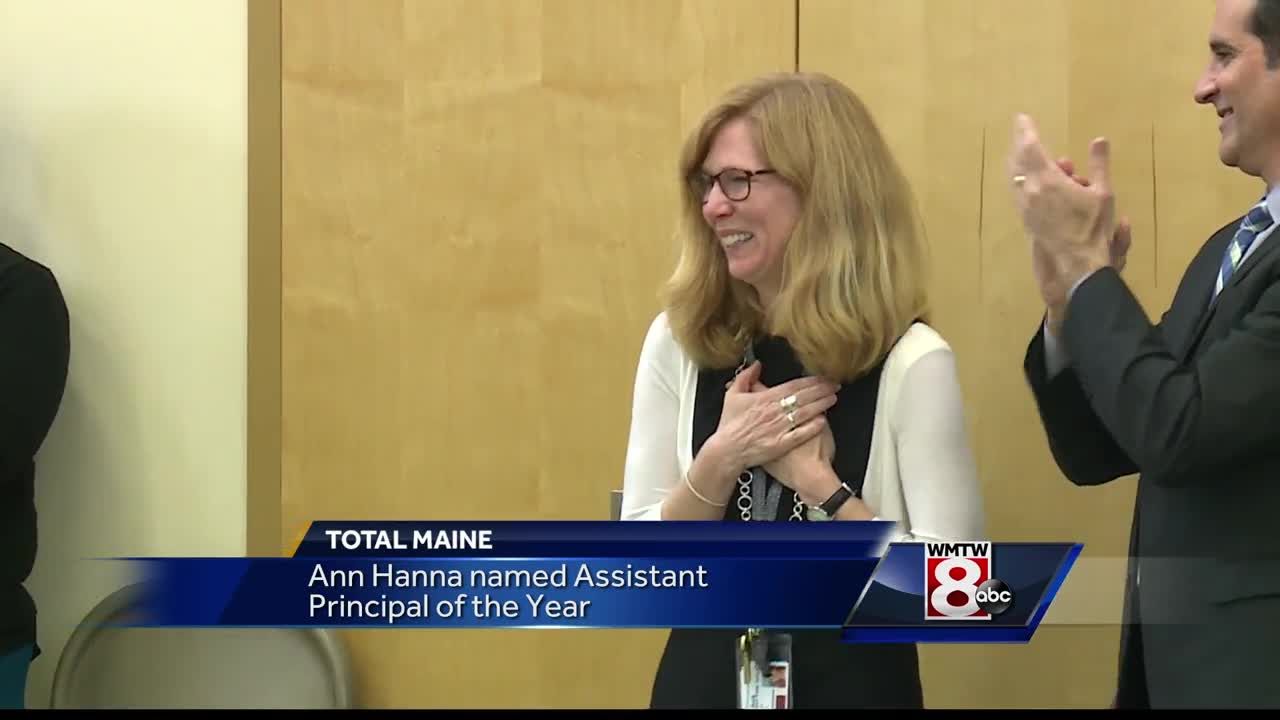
x=478, y=203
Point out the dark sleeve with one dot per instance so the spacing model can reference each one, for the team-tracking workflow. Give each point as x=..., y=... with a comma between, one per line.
x=1181, y=423
x=1080, y=443
x=34, y=355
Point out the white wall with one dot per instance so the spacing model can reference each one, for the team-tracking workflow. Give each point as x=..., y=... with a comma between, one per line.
x=122, y=167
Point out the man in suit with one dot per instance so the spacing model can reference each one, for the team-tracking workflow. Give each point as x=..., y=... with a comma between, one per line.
x=34, y=352
x=1189, y=403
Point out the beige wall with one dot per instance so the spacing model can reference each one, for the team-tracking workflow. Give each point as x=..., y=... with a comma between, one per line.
x=122, y=166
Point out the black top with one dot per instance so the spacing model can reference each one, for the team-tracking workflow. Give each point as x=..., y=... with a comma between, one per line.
x=34, y=353
x=697, y=667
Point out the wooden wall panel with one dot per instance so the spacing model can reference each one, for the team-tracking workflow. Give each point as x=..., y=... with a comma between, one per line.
x=945, y=80
x=1035, y=62
x=478, y=199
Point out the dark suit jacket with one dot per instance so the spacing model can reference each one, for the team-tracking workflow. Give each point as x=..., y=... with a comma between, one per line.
x=34, y=352
x=1193, y=405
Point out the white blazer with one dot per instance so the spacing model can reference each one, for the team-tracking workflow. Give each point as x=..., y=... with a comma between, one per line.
x=921, y=472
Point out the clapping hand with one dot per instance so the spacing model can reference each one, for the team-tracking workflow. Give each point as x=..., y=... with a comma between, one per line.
x=1071, y=221
x=1122, y=238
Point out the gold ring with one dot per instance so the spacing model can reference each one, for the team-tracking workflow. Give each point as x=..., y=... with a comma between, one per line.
x=791, y=417
x=1019, y=179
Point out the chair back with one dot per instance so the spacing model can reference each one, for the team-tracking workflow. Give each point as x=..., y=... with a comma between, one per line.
x=180, y=668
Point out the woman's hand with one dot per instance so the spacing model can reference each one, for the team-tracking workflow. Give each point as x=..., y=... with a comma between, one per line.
x=758, y=425
x=807, y=468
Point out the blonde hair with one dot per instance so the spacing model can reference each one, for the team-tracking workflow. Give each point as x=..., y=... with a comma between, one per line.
x=854, y=272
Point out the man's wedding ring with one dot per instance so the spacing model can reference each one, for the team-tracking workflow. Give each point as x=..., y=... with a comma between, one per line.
x=1019, y=179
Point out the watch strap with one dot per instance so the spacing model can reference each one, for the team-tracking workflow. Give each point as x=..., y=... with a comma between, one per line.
x=837, y=499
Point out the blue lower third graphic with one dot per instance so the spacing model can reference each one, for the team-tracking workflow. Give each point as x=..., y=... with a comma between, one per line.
x=845, y=577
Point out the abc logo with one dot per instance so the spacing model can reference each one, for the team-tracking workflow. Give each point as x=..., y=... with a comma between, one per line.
x=959, y=583
x=994, y=596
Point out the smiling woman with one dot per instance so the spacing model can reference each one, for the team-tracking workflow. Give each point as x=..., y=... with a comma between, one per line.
x=803, y=267
x=753, y=234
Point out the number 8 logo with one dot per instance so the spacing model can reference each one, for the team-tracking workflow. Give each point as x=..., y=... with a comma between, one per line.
x=940, y=599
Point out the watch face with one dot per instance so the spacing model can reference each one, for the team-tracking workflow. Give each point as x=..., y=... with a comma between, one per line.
x=817, y=515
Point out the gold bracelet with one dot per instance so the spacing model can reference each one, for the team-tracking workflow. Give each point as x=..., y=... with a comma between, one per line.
x=699, y=495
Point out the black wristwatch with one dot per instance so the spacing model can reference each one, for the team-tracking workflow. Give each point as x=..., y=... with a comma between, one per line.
x=827, y=510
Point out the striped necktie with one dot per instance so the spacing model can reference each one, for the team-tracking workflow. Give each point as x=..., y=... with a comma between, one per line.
x=1255, y=223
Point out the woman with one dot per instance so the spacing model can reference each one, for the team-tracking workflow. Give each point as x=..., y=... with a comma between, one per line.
x=791, y=376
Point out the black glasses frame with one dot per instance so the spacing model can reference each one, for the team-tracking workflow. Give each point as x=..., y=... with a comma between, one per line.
x=701, y=183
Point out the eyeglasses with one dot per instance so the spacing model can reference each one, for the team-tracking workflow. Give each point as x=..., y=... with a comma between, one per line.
x=734, y=183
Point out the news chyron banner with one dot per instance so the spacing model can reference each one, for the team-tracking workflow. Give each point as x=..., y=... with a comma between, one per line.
x=845, y=576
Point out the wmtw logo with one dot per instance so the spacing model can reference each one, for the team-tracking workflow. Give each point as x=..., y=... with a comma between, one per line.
x=960, y=583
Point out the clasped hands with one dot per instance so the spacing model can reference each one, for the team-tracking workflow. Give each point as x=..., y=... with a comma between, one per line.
x=791, y=439
x=1070, y=220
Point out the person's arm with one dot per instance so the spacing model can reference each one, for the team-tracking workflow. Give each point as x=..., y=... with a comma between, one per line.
x=1080, y=443
x=1055, y=356
x=1181, y=422
x=653, y=488
x=34, y=353
x=935, y=459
